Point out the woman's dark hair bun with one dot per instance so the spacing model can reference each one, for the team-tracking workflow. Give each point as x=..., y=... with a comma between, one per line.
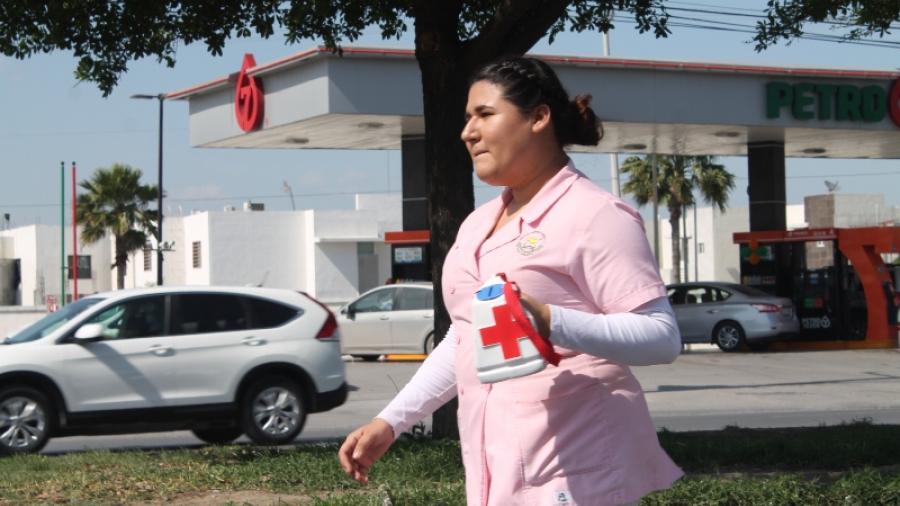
x=581, y=123
x=529, y=82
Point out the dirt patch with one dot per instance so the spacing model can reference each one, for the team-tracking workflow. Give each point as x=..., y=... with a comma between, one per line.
x=239, y=497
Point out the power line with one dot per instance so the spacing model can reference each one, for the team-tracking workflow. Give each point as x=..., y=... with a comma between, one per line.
x=756, y=14
x=725, y=26
x=806, y=36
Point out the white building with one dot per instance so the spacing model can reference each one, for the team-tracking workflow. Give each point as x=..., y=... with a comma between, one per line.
x=333, y=255
x=708, y=252
x=36, y=249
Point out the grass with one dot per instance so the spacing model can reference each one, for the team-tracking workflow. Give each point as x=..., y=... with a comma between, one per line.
x=854, y=464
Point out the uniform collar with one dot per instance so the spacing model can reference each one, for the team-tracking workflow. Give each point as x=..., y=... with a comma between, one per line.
x=552, y=190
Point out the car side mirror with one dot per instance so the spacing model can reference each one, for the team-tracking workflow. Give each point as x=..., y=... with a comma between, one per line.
x=350, y=311
x=88, y=333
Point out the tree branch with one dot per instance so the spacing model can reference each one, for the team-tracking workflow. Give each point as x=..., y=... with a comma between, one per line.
x=516, y=27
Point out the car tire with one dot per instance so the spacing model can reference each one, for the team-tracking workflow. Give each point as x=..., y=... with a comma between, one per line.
x=272, y=411
x=218, y=435
x=369, y=358
x=728, y=336
x=26, y=420
x=429, y=344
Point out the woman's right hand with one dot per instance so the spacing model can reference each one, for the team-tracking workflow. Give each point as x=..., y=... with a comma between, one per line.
x=363, y=447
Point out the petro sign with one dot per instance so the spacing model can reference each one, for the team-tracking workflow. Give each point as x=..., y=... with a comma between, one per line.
x=841, y=102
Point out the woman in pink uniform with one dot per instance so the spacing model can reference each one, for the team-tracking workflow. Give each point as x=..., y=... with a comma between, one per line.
x=574, y=434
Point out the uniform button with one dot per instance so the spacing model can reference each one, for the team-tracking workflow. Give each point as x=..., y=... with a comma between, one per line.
x=453, y=289
x=462, y=391
x=486, y=388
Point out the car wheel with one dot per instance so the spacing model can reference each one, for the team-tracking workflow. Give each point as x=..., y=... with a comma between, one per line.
x=272, y=411
x=429, y=344
x=25, y=420
x=369, y=358
x=729, y=336
x=218, y=435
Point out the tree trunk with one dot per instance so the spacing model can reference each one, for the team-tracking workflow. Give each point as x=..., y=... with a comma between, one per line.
x=121, y=263
x=444, y=92
x=674, y=222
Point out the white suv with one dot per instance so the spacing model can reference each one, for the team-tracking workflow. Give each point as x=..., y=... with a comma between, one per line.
x=219, y=361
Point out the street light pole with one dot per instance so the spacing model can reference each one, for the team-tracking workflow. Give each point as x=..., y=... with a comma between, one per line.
x=159, y=219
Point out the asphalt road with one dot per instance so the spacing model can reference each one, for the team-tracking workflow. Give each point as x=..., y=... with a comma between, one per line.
x=702, y=390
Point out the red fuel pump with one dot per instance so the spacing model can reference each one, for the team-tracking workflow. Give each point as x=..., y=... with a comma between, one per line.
x=844, y=292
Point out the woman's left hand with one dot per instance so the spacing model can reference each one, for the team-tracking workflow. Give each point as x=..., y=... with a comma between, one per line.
x=540, y=311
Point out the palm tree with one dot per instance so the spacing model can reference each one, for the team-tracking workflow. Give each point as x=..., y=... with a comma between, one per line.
x=677, y=176
x=116, y=203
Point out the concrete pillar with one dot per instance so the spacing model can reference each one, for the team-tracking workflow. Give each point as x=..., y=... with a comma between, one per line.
x=766, y=188
x=415, y=183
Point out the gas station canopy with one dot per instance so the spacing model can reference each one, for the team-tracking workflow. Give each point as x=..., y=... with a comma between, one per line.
x=372, y=98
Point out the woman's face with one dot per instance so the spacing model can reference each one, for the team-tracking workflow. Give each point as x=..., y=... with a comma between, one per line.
x=497, y=135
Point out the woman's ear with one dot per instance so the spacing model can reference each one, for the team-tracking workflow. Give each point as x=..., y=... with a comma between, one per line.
x=540, y=118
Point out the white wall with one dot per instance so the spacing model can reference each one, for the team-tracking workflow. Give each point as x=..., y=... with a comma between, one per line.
x=14, y=318
x=38, y=249
x=336, y=272
x=253, y=247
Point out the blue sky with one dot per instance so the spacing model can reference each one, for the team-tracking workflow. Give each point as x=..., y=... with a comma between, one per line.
x=49, y=117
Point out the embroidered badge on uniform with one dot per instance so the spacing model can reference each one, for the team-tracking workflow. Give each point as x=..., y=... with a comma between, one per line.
x=562, y=497
x=531, y=243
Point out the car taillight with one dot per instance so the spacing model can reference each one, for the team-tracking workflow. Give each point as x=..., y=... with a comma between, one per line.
x=330, y=326
x=766, y=308
x=327, y=331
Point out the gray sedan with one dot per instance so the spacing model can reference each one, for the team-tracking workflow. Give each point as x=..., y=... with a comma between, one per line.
x=396, y=318
x=731, y=315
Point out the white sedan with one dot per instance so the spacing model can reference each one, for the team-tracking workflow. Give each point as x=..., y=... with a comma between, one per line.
x=396, y=318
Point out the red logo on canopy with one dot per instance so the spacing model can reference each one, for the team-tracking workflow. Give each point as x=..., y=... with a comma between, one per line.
x=894, y=102
x=248, y=97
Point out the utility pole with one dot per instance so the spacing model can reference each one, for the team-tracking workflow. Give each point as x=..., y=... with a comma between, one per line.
x=613, y=157
x=655, y=208
x=62, y=234
x=161, y=97
x=290, y=191
x=696, y=258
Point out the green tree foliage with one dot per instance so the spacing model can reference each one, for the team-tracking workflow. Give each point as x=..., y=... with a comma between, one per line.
x=676, y=179
x=786, y=19
x=116, y=203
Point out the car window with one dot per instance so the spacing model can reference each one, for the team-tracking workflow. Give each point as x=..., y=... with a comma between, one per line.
x=267, y=314
x=381, y=300
x=133, y=318
x=676, y=296
x=200, y=313
x=720, y=295
x=415, y=299
x=697, y=295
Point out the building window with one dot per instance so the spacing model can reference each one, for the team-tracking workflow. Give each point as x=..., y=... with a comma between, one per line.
x=195, y=252
x=84, y=266
x=148, y=257
x=700, y=247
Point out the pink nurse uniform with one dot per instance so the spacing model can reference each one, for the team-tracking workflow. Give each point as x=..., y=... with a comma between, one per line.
x=579, y=433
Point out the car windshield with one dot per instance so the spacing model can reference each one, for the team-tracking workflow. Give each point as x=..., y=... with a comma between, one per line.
x=51, y=322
